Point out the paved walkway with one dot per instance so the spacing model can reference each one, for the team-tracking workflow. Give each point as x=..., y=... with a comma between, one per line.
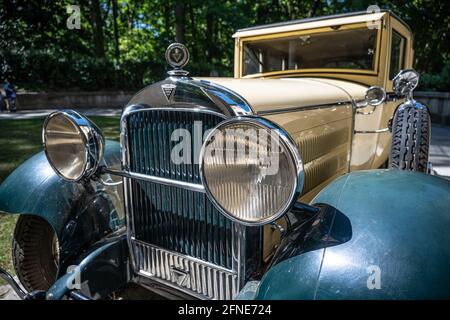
x=440, y=150
x=7, y=293
x=31, y=114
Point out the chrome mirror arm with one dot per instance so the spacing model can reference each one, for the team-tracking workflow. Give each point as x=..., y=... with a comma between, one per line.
x=409, y=96
x=366, y=113
x=359, y=104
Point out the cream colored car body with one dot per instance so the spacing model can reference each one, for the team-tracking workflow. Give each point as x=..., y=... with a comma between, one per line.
x=317, y=107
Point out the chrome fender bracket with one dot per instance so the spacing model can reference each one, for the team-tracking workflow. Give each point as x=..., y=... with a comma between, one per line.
x=373, y=131
x=388, y=129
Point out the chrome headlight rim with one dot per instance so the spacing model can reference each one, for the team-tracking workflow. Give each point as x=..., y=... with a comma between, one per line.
x=294, y=155
x=91, y=136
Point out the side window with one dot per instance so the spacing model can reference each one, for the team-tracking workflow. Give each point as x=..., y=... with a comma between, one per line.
x=397, y=54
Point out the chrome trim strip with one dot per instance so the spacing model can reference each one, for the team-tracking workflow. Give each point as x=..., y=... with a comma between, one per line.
x=239, y=240
x=352, y=135
x=167, y=182
x=303, y=108
x=125, y=159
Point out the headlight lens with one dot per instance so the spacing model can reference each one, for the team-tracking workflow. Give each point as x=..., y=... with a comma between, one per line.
x=251, y=170
x=73, y=144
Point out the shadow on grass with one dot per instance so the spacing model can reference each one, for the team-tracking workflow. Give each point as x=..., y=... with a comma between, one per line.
x=19, y=140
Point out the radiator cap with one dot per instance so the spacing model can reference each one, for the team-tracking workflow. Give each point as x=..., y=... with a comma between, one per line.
x=177, y=56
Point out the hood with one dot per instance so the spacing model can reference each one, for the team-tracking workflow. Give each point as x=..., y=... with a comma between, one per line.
x=267, y=94
x=231, y=96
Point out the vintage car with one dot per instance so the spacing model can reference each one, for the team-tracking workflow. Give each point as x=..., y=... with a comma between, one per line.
x=194, y=202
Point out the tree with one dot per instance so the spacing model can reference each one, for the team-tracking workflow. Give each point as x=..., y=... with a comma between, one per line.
x=97, y=26
x=121, y=44
x=180, y=21
x=116, y=30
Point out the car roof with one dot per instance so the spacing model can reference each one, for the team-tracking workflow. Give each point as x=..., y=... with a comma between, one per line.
x=351, y=17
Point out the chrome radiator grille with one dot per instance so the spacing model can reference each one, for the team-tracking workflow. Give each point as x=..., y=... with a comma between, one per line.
x=177, y=236
x=150, y=145
x=181, y=220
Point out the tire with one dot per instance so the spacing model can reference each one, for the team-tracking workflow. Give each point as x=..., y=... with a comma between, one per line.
x=35, y=253
x=411, y=130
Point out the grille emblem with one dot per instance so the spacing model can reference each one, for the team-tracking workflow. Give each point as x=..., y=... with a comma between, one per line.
x=179, y=275
x=168, y=90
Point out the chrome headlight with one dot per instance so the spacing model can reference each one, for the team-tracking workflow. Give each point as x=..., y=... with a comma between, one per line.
x=73, y=145
x=251, y=170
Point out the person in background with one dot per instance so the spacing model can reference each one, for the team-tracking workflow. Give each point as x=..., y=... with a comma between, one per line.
x=2, y=101
x=10, y=95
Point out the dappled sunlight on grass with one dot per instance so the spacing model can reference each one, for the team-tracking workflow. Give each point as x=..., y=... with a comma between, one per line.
x=19, y=139
x=7, y=223
x=109, y=126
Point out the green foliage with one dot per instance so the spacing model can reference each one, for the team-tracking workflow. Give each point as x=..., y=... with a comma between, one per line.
x=124, y=51
x=436, y=82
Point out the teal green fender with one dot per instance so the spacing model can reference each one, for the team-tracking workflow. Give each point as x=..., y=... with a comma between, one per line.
x=399, y=246
x=98, y=272
x=80, y=213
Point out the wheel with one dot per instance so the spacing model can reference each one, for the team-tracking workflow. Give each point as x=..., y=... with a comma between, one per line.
x=35, y=253
x=411, y=130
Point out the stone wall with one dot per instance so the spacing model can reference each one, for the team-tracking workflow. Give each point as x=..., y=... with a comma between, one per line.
x=438, y=104
x=50, y=100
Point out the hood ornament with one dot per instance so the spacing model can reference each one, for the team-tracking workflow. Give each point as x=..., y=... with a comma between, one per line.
x=177, y=56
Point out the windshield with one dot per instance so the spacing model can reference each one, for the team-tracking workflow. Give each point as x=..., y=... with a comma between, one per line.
x=337, y=49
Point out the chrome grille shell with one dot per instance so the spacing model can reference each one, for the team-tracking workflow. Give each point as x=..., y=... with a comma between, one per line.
x=215, y=264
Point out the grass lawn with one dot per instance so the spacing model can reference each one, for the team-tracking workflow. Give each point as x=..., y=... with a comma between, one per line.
x=20, y=139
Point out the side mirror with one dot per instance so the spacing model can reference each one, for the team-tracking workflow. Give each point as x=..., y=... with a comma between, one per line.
x=374, y=97
x=405, y=82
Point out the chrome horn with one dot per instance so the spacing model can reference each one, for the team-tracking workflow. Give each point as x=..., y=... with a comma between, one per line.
x=374, y=97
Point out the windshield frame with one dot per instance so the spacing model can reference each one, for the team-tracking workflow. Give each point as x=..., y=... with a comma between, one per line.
x=276, y=36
